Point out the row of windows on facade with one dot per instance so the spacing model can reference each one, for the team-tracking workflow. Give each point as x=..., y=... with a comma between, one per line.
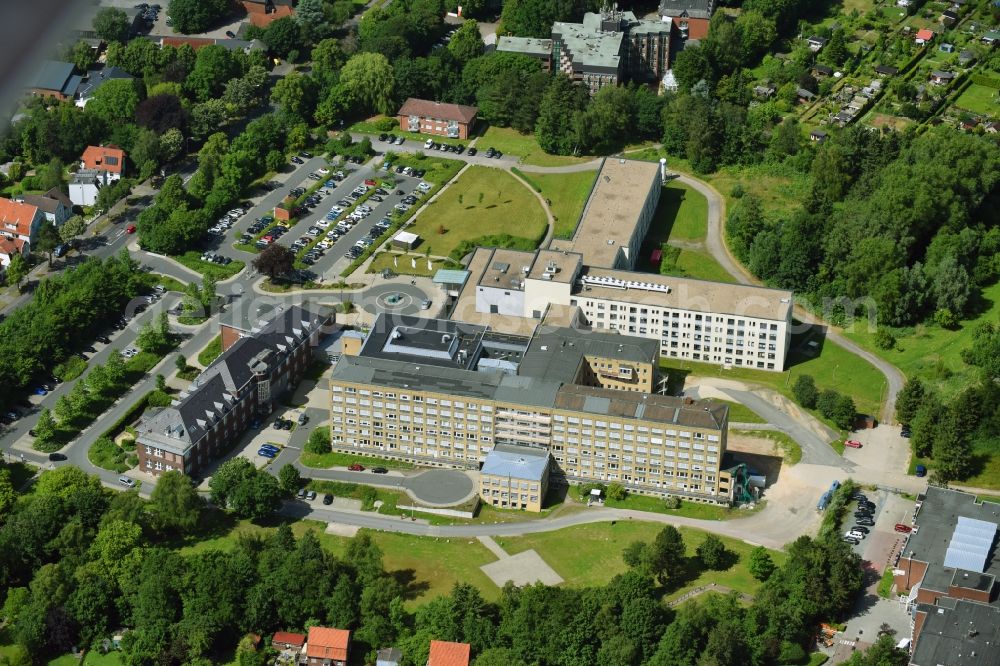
x=522, y=496
x=158, y=466
x=509, y=483
x=557, y=432
x=671, y=314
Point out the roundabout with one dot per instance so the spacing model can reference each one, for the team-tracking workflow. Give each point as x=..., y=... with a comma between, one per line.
x=440, y=487
x=398, y=298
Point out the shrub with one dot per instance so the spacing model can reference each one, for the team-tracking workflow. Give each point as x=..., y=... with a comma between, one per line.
x=617, y=492
x=737, y=192
x=826, y=402
x=884, y=339
x=672, y=502
x=319, y=441
x=805, y=391
x=386, y=124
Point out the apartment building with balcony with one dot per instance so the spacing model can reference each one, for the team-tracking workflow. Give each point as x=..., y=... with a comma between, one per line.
x=450, y=393
x=238, y=387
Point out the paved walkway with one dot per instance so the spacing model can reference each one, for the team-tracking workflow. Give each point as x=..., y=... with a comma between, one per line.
x=551, y=221
x=711, y=587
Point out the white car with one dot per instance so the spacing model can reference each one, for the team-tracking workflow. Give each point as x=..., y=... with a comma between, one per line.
x=364, y=208
x=325, y=244
x=313, y=231
x=337, y=210
x=428, y=143
x=424, y=187
x=323, y=224
x=323, y=170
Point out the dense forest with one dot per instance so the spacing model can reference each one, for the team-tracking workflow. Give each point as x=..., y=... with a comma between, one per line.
x=78, y=562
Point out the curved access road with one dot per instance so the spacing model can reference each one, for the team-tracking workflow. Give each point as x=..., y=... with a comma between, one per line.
x=716, y=245
x=759, y=529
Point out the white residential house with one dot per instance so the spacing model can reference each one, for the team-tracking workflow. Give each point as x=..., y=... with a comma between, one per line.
x=85, y=184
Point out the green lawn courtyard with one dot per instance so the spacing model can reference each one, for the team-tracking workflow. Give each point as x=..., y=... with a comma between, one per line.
x=403, y=263
x=483, y=201
x=566, y=194
x=525, y=146
x=590, y=555
x=682, y=213
x=979, y=99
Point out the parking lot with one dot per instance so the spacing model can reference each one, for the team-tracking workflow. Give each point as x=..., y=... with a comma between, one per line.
x=880, y=546
x=332, y=259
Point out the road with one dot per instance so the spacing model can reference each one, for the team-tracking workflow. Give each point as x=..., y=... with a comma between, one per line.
x=716, y=246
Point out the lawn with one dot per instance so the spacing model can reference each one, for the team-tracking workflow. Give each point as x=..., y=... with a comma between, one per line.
x=591, y=555
x=70, y=369
x=682, y=214
x=192, y=259
x=511, y=142
x=150, y=280
x=979, y=99
x=696, y=264
x=483, y=202
x=566, y=195
x=337, y=459
x=211, y=351
x=932, y=353
x=402, y=264
x=833, y=368
x=741, y=413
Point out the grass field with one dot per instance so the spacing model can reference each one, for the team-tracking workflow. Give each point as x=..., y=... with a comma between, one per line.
x=566, y=194
x=483, y=201
x=403, y=266
x=211, y=351
x=587, y=555
x=511, y=142
x=699, y=266
x=932, y=353
x=682, y=213
x=979, y=99
x=741, y=413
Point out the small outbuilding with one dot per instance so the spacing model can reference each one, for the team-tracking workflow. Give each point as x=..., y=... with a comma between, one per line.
x=405, y=240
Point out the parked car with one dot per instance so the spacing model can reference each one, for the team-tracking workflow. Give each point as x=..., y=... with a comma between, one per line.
x=328, y=499
x=859, y=528
x=267, y=453
x=851, y=540
x=905, y=529
x=127, y=482
x=130, y=229
x=920, y=470
x=39, y=390
x=311, y=495
x=301, y=494
x=356, y=467
x=56, y=457
x=853, y=443
x=379, y=470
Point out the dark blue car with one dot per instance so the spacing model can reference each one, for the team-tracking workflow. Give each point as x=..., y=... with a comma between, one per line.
x=267, y=453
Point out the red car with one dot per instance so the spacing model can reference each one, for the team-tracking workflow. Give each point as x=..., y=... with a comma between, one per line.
x=370, y=183
x=356, y=468
x=853, y=443
x=130, y=229
x=900, y=527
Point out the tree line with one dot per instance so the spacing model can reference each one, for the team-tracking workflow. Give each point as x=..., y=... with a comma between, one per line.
x=66, y=310
x=958, y=434
x=77, y=561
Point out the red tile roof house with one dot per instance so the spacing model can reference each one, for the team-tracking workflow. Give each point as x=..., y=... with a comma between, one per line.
x=924, y=35
x=8, y=248
x=19, y=222
x=428, y=117
x=443, y=653
x=327, y=647
x=55, y=205
x=289, y=644
x=263, y=12
x=109, y=159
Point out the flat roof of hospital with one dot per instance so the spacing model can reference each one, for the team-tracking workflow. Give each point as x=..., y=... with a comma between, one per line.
x=612, y=212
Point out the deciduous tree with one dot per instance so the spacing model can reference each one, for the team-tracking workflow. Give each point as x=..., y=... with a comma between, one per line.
x=176, y=502
x=368, y=80
x=111, y=24
x=274, y=261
